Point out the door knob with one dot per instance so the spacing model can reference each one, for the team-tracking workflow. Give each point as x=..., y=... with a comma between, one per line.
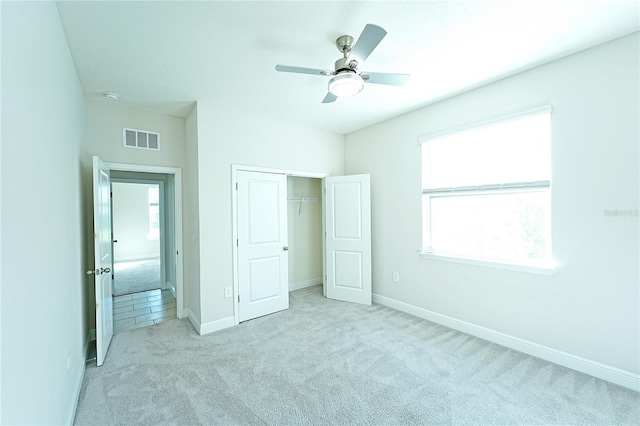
x=285, y=248
x=99, y=271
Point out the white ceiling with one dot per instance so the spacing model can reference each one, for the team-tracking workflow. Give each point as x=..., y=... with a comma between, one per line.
x=162, y=56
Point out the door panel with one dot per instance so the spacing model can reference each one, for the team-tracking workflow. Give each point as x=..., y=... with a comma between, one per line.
x=348, y=269
x=264, y=278
x=263, y=281
x=348, y=238
x=347, y=213
x=103, y=257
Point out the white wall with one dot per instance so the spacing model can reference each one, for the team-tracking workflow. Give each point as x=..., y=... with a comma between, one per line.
x=43, y=284
x=304, y=222
x=130, y=207
x=224, y=138
x=589, y=307
x=191, y=218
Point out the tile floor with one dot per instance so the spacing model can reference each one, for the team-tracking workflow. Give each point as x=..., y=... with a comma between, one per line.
x=142, y=309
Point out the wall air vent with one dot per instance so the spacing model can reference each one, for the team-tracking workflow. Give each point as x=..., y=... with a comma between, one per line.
x=134, y=138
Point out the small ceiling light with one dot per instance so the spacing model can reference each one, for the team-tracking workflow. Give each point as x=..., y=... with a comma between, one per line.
x=111, y=96
x=346, y=84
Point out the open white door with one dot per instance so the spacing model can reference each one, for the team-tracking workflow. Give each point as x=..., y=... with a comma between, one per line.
x=103, y=257
x=347, y=218
x=263, y=283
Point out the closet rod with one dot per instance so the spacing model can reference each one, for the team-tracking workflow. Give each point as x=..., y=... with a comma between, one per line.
x=311, y=200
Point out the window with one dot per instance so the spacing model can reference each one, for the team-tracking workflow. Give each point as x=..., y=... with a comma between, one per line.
x=486, y=192
x=154, y=212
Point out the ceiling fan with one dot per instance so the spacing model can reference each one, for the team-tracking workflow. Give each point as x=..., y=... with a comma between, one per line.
x=347, y=79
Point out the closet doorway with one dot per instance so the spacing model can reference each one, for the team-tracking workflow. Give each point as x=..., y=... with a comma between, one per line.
x=265, y=204
x=304, y=222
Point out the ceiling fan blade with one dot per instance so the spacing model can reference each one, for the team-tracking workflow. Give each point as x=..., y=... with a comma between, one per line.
x=301, y=70
x=369, y=39
x=385, y=78
x=329, y=98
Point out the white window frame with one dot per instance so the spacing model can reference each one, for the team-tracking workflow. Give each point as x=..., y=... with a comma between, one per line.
x=153, y=234
x=543, y=267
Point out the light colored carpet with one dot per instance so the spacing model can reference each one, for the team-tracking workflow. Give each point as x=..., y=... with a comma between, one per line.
x=136, y=276
x=324, y=362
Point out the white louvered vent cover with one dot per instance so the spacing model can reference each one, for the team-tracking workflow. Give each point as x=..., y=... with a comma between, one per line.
x=134, y=138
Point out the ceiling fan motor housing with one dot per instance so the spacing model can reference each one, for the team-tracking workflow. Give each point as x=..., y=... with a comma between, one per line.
x=342, y=65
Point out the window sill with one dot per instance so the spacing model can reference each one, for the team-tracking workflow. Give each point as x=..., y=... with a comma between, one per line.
x=546, y=269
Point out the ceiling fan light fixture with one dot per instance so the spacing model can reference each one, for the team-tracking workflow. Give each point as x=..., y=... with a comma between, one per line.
x=346, y=84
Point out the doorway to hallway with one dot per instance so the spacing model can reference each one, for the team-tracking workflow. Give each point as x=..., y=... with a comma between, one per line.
x=143, y=279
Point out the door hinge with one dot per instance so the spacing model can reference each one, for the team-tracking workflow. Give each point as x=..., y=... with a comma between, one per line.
x=237, y=243
x=97, y=306
x=236, y=186
x=177, y=252
x=238, y=298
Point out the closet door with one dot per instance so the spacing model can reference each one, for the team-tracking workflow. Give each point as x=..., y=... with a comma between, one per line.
x=263, y=282
x=347, y=218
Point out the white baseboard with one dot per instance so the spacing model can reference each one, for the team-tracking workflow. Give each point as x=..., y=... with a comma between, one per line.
x=304, y=284
x=80, y=377
x=602, y=371
x=195, y=322
x=217, y=325
x=209, y=327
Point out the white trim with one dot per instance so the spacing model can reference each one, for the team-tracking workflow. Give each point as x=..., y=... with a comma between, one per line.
x=297, y=173
x=192, y=319
x=304, y=284
x=501, y=188
x=209, y=327
x=235, y=168
x=177, y=183
x=544, y=269
x=485, y=123
x=217, y=325
x=602, y=371
x=91, y=336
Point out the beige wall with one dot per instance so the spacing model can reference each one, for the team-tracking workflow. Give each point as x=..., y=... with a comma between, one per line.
x=589, y=307
x=105, y=121
x=104, y=124
x=305, y=232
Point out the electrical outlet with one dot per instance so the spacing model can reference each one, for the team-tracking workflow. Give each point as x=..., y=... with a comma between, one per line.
x=227, y=292
x=396, y=277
